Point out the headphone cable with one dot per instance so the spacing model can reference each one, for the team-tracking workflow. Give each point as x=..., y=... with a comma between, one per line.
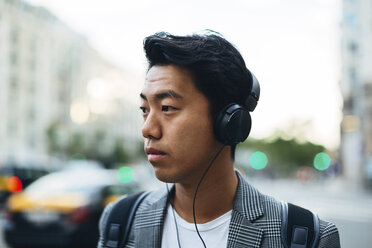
x=196, y=191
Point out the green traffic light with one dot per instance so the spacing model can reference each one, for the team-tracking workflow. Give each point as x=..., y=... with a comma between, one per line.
x=125, y=174
x=258, y=160
x=322, y=161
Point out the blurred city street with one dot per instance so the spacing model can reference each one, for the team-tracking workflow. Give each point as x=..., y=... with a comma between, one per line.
x=70, y=90
x=348, y=208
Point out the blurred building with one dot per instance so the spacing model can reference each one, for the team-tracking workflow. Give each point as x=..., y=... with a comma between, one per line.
x=50, y=74
x=356, y=86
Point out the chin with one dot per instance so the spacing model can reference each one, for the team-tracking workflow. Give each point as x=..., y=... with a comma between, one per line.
x=165, y=177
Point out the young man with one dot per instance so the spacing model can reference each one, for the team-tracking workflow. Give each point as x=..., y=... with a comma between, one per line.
x=195, y=102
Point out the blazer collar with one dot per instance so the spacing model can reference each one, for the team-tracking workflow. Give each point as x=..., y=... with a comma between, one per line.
x=248, y=200
x=150, y=220
x=248, y=207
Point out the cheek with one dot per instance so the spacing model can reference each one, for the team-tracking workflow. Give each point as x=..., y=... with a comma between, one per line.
x=194, y=136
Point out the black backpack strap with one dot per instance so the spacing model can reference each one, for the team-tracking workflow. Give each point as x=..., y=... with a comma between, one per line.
x=120, y=218
x=300, y=227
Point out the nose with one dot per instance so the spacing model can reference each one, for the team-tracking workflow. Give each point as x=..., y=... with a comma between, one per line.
x=151, y=128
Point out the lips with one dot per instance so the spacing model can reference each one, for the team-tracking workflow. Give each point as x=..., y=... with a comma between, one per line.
x=154, y=155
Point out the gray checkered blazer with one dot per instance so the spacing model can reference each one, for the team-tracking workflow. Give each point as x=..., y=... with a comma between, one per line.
x=255, y=221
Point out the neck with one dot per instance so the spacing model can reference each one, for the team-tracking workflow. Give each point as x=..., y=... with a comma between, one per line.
x=215, y=195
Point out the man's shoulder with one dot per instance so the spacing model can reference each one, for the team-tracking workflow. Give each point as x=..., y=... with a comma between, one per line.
x=273, y=213
x=329, y=235
x=144, y=211
x=250, y=199
x=151, y=198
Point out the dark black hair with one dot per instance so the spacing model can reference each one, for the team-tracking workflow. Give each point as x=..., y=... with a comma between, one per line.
x=217, y=67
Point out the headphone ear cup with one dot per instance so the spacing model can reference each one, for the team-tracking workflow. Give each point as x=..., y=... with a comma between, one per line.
x=233, y=124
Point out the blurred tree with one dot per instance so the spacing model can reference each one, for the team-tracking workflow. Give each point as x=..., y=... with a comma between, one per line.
x=76, y=144
x=286, y=154
x=118, y=153
x=52, y=138
x=79, y=145
x=140, y=150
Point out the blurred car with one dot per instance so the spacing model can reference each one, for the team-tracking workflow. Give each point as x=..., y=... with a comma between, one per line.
x=62, y=209
x=14, y=179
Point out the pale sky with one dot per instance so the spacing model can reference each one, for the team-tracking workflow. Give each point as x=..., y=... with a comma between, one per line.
x=292, y=46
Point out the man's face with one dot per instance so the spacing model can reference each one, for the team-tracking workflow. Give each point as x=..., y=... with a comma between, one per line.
x=177, y=128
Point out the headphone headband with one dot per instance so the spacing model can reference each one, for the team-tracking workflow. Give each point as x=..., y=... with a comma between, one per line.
x=233, y=123
x=254, y=95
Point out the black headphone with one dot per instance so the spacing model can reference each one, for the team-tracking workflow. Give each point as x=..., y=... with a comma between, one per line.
x=233, y=123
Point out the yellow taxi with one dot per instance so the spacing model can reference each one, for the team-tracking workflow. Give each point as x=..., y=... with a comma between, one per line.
x=62, y=209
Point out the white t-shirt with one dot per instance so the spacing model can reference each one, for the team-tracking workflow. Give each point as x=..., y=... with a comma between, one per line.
x=214, y=233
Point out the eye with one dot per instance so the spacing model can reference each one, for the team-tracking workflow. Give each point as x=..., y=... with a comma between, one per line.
x=144, y=110
x=166, y=108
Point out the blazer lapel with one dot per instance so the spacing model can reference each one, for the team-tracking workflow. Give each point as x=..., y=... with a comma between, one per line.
x=247, y=208
x=149, y=223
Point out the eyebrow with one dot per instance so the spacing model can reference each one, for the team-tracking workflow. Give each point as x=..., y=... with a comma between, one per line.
x=164, y=94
